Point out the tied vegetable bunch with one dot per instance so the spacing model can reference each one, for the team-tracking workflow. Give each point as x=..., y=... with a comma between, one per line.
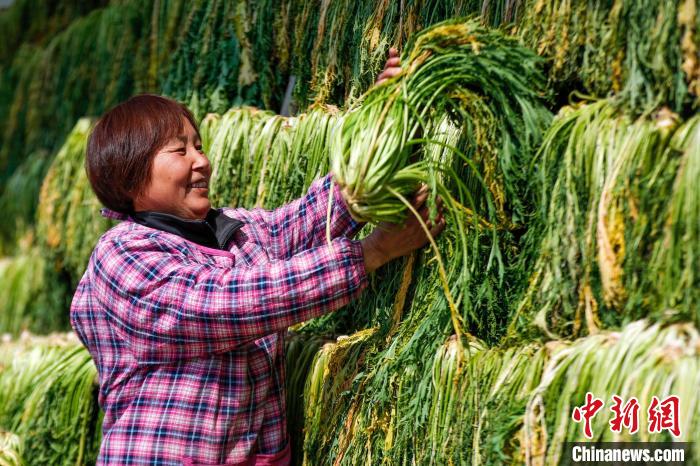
x=463, y=117
x=481, y=81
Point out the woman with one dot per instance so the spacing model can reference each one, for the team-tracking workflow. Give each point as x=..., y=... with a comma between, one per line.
x=184, y=307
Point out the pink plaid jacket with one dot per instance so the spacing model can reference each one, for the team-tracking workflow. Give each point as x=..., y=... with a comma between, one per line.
x=188, y=340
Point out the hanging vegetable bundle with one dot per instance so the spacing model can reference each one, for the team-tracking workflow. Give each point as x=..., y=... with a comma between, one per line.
x=48, y=398
x=462, y=118
x=645, y=52
x=10, y=449
x=642, y=360
x=68, y=220
x=484, y=82
x=617, y=232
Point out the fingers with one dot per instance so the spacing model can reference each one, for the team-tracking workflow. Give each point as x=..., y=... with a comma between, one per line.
x=392, y=62
x=438, y=202
x=420, y=196
x=392, y=67
x=425, y=215
x=423, y=188
x=437, y=228
x=388, y=73
x=436, y=225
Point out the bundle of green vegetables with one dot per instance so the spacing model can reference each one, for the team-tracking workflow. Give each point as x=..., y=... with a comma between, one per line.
x=10, y=449
x=328, y=382
x=308, y=152
x=646, y=52
x=674, y=272
x=33, y=297
x=35, y=21
x=479, y=78
x=48, y=398
x=18, y=201
x=489, y=89
x=234, y=173
x=37, y=281
x=68, y=220
x=250, y=153
x=299, y=351
x=264, y=160
x=617, y=225
x=642, y=360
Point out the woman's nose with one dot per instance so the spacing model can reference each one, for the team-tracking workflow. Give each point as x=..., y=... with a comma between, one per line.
x=201, y=162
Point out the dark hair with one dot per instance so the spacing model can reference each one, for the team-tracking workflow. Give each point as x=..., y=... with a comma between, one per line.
x=123, y=143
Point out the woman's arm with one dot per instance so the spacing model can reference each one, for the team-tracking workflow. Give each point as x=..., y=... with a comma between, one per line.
x=301, y=224
x=167, y=307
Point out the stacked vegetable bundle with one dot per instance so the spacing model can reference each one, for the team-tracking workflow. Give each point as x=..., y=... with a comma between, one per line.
x=642, y=360
x=645, y=52
x=48, y=398
x=262, y=159
x=68, y=220
x=504, y=406
x=33, y=296
x=619, y=222
x=507, y=405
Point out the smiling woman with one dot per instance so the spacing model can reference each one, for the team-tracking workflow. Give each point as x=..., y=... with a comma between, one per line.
x=184, y=307
x=130, y=152
x=179, y=182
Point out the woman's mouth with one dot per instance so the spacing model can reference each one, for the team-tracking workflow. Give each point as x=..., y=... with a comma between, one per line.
x=199, y=185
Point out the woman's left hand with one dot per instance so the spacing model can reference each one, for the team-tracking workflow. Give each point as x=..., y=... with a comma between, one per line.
x=392, y=67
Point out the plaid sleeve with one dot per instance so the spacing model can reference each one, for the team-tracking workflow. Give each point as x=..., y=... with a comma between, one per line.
x=301, y=224
x=167, y=307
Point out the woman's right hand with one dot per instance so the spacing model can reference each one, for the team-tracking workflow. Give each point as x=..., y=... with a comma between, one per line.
x=389, y=241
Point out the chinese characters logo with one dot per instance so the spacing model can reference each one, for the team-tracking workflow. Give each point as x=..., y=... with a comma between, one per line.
x=661, y=414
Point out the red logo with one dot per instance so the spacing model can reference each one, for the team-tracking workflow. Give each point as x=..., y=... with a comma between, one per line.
x=587, y=412
x=664, y=415
x=625, y=416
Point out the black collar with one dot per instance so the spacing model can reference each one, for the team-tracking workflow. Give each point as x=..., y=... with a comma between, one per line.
x=215, y=231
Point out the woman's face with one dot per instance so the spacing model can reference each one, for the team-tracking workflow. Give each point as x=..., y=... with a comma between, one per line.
x=179, y=182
